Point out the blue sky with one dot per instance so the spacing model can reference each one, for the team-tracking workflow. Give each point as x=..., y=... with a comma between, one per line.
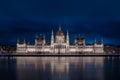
x=22, y=19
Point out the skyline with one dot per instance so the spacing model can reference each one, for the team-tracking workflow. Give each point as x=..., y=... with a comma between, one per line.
x=30, y=36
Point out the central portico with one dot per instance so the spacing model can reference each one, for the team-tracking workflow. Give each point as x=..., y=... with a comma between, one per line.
x=59, y=44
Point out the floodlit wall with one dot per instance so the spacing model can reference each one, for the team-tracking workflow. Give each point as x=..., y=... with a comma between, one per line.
x=71, y=49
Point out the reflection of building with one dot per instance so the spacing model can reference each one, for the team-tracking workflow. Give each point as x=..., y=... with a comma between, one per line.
x=60, y=44
x=60, y=65
x=61, y=68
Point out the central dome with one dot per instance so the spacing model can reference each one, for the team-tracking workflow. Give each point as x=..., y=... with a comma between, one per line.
x=60, y=32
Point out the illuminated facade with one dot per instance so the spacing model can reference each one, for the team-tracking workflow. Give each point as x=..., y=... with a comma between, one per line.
x=60, y=44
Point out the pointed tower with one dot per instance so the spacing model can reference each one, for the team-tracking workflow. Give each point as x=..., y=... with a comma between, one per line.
x=52, y=38
x=18, y=42
x=36, y=37
x=44, y=41
x=67, y=38
x=67, y=42
x=102, y=42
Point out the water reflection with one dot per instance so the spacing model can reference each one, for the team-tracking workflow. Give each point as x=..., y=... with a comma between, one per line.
x=61, y=68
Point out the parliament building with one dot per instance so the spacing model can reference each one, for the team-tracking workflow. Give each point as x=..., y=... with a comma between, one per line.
x=60, y=44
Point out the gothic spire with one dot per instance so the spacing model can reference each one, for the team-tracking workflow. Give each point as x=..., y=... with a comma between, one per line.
x=67, y=37
x=67, y=32
x=52, y=37
x=52, y=32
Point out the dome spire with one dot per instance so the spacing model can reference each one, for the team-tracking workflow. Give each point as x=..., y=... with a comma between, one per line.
x=59, y=32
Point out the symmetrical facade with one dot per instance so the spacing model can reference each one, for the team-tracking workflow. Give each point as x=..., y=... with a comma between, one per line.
x=60, y=44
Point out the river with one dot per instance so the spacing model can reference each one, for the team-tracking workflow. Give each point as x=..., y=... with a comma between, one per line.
x=60, y=68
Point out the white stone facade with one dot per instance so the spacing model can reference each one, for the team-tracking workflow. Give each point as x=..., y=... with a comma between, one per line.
x=60, y=45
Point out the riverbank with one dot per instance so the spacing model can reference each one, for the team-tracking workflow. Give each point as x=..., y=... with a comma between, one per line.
x=56, y=55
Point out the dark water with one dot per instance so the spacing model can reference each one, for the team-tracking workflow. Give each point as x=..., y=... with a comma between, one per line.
x=60, y=68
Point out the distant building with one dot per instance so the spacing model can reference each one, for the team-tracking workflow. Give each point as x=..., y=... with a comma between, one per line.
x=60, y=44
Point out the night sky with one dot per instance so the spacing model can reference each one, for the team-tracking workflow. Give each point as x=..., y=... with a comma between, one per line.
x=23, y=19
